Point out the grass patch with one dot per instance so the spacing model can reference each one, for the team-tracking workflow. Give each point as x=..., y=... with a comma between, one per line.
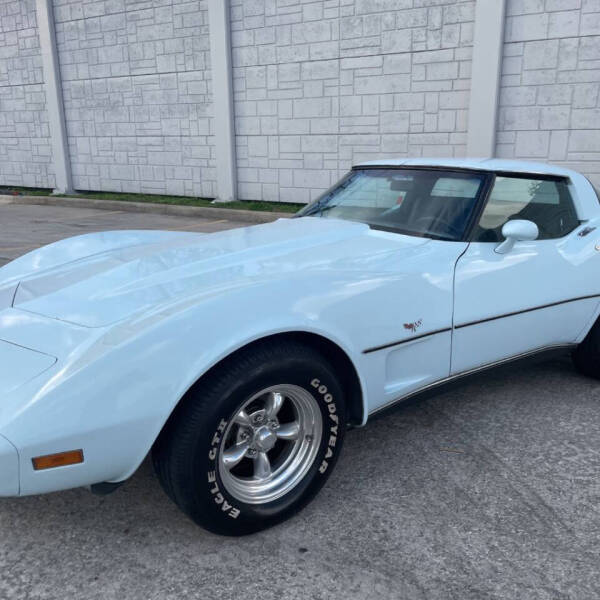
x=189, y=201
x=158, y=199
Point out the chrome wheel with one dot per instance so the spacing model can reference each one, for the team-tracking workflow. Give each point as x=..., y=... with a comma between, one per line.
x=270, y=444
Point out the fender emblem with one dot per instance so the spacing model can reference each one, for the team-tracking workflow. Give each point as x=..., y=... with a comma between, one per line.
x=413, y=326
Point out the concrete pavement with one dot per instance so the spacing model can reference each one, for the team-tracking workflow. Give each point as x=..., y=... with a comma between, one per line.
x=489, y=491
x=25, y=227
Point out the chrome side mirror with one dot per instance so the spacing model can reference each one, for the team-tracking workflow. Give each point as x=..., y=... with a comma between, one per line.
x=518, y=230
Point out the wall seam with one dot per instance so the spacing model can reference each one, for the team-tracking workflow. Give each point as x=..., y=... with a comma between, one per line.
x=222, y=100
x=488, y=47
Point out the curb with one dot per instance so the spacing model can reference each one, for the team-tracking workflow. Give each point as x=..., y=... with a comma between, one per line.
x=231, y=214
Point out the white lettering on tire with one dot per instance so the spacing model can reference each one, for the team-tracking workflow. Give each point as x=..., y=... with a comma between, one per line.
x=218, y=497
x=333, y=430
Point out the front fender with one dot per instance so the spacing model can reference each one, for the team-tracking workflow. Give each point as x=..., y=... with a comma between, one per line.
x=113, y=387
x=113, y=392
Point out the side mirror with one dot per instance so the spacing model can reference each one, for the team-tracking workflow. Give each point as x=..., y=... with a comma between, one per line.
x=517, y=231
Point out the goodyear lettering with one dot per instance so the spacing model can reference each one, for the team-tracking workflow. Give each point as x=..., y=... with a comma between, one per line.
x=333, y=430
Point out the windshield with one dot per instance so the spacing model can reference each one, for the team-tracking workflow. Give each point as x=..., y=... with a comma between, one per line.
x=423, y=202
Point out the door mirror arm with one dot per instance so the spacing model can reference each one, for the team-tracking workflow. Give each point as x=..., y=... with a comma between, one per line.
x=517, y=230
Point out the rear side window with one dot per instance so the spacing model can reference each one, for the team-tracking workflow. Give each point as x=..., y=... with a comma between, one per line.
x=547, y=203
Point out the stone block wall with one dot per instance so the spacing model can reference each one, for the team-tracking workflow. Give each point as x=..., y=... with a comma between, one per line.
x=318, y=85
x=323, y=84
x=549, y=95
x=137, y=97
x=25, y=148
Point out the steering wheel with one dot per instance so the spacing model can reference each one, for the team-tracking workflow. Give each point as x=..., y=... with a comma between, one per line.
x=449, y=226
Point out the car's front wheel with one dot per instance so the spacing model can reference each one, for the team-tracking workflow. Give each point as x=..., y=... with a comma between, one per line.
x=253, y=441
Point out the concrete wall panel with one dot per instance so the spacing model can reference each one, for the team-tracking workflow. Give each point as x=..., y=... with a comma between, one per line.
x=137, y=95
x=321, y=85
x=549, y=96
x=25, y=149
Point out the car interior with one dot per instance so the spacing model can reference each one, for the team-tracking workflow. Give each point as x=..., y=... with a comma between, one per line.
x=433, y=203
x=547, y=203
x=439, y=204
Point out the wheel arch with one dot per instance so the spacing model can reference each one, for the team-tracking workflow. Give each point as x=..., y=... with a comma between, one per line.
x=342, y=363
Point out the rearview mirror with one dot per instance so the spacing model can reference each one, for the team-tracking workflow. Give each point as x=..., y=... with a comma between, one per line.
x=518, y=230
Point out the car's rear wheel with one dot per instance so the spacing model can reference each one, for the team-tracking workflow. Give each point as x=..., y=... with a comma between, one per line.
x=253, y=441
x=586, y=357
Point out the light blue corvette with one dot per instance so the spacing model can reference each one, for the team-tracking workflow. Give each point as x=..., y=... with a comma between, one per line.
x=239, y=358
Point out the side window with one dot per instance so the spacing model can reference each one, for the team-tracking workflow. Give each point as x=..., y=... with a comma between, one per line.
x=547, y=203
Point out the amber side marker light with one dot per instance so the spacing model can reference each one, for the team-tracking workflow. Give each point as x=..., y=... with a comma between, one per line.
x=62, y=459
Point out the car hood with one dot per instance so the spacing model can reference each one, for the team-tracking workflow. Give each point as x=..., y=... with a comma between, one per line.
x=131, y=274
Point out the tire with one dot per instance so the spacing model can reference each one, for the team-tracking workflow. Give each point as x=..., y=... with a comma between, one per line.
x=586, y=357
x=286, y=389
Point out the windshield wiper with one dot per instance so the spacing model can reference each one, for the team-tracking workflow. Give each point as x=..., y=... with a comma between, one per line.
x=319, y=208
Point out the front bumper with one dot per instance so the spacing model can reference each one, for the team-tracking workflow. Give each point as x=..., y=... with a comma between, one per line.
x=9, y=469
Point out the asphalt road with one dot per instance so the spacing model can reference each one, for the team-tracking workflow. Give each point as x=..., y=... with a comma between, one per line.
x=491, y=490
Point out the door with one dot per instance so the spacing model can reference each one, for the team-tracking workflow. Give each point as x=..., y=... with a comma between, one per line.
x=394, y=283
x=532, y=297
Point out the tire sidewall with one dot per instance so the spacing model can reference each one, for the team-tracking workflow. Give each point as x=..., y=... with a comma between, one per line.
x=223, y=512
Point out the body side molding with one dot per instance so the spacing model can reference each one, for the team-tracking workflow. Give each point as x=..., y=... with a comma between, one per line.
x=526, y=310
x=405, y=341
x=540, y=353
x=470, y=323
